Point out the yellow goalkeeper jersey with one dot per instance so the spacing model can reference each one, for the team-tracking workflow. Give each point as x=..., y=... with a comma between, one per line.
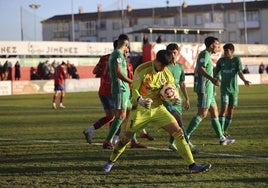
x=148, y=82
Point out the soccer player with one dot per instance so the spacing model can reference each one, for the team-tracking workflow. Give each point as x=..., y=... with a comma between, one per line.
x=177, y=71
x=204, y=87
x=119, y=87
x=130, y=73
x=228, y=67
x=60, y=75
x=148, y=108
x=101, y=69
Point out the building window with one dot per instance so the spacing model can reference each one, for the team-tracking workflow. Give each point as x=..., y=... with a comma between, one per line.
x=232, y=37
x=103, y=25
x=198, y=20
x=231, y=17
x=116, y=25
x=88, y=28
x=251, y=16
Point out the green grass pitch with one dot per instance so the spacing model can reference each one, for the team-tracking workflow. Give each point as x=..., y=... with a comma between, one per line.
x=41, y=147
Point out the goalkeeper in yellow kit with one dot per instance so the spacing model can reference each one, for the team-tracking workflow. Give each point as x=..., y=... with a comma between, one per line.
x=148, y=108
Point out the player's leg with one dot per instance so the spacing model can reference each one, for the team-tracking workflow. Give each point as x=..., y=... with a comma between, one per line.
x=172, y=145
x=54, y=99
x=215, y=120
x=196, y=120
x=122, y=103
x=217, y=126
x=62, y=95
x=228, y=119
x=115, y=126
x=119, y=148
x=108, y=106
x=233, y=102
x=203, y=105
x=184, y=148
x=224, y=106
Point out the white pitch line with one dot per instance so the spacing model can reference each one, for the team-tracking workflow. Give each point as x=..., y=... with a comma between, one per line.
x=148, y=147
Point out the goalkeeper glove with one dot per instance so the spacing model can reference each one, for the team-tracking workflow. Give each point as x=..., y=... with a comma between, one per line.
x=176, y=100
x=146, y=103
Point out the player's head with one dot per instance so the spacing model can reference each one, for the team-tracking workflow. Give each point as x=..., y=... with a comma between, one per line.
x=229, y=46
x=163, y=58
x=228, y=50
x=123, y=40
x=212, y=44
x=173, y=48
x=115, y=43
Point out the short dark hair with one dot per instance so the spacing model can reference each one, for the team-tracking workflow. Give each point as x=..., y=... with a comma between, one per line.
x=164, y=57
x=172, y=46
x=121, y=39
x=210, y=40
x=229, y=46
x=115, y=43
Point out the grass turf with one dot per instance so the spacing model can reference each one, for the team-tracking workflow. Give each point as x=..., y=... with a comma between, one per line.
x=41, y=147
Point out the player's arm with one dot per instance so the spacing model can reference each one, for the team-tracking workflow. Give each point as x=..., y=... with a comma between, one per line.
x=201, y=70
x=217, y=69
x=240, y=73
x=97, y=69
x=242, y=77
x=122, y=76
x=185, y=94
x=137, y=98
x=136, y=85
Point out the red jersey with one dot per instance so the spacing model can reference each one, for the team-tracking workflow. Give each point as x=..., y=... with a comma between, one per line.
x=60, y=75
x=130, y=72
x=103, y=70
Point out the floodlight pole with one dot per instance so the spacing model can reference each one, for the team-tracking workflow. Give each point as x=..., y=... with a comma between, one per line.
x=21, y=24
x=34, y=7
x=182, y=5
x=245, y=22
x=73, y=36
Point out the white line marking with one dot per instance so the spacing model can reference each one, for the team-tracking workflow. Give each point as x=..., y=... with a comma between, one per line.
x=148, y=147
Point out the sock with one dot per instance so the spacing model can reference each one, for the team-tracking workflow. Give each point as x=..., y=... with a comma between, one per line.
x=183, y=148
x=185, y=135
x=183, y=128
x=118, y=131
x=194, y=123
x=113, y=129
x=91, y=128
x=171, y=140
x=119, y=148
x=227, y=124
x=61, y=98
x=134, y=138
x=222, y=122
x=54, y=98
x=101, y=122
x=217, y=127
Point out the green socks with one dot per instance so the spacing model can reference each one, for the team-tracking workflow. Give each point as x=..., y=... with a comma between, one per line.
x=194, y=123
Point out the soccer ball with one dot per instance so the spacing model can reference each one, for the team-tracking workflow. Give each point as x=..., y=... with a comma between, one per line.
x=168, y=92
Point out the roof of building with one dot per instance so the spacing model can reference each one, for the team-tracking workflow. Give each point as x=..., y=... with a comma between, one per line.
x=160, y=11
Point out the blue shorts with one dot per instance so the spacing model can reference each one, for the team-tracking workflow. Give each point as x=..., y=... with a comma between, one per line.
x=58, y=87
x=107, y=102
